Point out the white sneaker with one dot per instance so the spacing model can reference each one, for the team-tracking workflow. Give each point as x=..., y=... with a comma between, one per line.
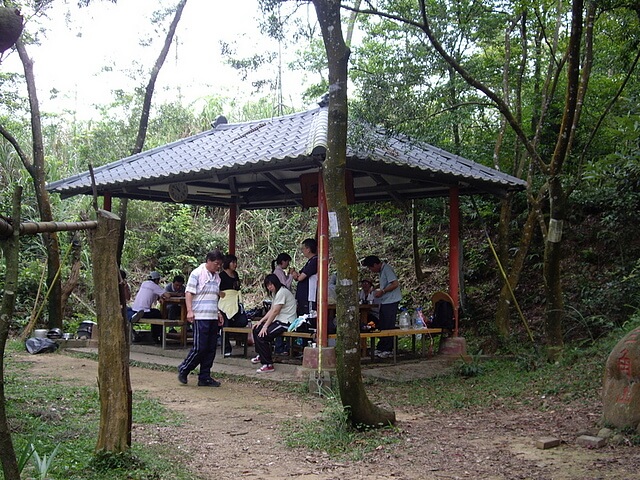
x=255, y=360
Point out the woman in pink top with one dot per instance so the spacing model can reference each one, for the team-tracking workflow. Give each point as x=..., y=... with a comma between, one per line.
x=280, y=267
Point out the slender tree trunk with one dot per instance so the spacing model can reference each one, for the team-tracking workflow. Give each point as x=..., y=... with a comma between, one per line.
x=76, y=263
x=114, y=383
x=37, y=172
x=352, y=392
x=146, y=108
x=11, y=249
x=113, y=369
x=513, y=276
x=417, y=262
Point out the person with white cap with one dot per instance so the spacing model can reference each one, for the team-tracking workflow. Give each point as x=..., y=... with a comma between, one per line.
x=148, y=294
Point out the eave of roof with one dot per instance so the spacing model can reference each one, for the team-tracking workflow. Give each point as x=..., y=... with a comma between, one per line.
x=258, y=164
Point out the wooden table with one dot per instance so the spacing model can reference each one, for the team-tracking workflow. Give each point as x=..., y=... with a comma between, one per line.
x=180, y=300
x=363, y=311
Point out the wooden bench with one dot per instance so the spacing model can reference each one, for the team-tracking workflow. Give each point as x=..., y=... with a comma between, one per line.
x=247, y=331
x=236, y=330
x=400, y=332
x=165, y=323
x=395, y=333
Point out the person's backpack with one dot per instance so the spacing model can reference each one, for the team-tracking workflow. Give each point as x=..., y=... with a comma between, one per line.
x=443, y=315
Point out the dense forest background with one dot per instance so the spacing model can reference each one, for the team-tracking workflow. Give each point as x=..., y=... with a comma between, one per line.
x=399, y=84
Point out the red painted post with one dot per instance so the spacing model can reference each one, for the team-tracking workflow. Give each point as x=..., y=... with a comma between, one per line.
x=233, y=225
x=323, y=264
x=106, y=202
x=454, y=251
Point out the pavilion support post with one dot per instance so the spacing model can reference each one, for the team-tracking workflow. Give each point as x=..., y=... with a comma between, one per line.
x=455, y=345
x=454, y=251
x=323, y=264
x=106, y=202
x=233, y=228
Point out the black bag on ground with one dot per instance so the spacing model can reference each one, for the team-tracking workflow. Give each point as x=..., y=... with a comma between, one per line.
x=40, y=345
x=443, y=315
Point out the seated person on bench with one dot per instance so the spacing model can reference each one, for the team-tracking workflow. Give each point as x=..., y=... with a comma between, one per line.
x=176, y=289
x=274, y=323
x=366, y=296
x=148, y=294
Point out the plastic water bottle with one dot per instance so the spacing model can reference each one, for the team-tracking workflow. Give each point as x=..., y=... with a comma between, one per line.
x=419, y=321
x=404, y=320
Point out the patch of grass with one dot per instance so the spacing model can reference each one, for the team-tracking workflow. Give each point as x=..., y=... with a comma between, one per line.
x=333, y=433
x=52, y=413
x=520, y=380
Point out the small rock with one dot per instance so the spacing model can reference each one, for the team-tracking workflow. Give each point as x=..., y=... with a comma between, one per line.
x=591, y=442
x=617, y=439
x=547, y=442
x=605, y=433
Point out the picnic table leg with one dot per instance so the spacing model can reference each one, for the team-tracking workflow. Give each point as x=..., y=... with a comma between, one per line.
x=373, y=356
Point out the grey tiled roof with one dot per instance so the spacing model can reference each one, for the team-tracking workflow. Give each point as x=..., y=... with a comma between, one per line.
x=258, y=164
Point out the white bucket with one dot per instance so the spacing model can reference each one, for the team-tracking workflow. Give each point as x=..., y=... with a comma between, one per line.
x=40, y=333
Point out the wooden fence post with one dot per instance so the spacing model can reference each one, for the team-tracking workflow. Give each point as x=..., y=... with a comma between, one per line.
x=114, y=383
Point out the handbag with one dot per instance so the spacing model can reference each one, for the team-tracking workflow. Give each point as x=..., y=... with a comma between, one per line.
x=240, y=319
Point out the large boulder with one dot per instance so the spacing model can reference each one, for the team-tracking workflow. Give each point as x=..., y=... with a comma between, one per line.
x=621, y=393
x=10, y=27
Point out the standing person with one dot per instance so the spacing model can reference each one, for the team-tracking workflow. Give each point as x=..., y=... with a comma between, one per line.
x=307, y=278
x=148, y=294
x=390, y=295
x=176, y=289
x=231, y=298
x=201, y=299
x=274, y=323
x=280, y=267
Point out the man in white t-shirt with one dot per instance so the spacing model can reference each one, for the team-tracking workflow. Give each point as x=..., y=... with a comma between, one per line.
x=149, y=293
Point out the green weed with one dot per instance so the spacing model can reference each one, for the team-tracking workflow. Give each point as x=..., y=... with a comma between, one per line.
x=333, y=433
x=49, y=415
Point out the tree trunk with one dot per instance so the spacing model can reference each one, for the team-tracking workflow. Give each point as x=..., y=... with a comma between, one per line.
x=114, y=383
x=11, y=250
x=76, y=263
x=554, y=315
x=514, y=270
x=354, y=398
x=37, y=172
x=144, y=116
x=417, y=261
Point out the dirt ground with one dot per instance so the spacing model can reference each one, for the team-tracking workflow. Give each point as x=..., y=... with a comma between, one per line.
x=233, y=432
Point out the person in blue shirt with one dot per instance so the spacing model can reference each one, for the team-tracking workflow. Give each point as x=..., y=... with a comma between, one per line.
x=389, y=295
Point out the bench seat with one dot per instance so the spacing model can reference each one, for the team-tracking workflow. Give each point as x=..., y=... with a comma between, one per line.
x=166, y=323
x=396, y=332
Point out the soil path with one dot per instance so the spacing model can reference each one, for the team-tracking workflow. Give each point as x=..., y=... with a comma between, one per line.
x=233, y=432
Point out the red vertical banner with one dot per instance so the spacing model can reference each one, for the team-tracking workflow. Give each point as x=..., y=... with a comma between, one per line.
x=454, y=251
x=323, y=264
